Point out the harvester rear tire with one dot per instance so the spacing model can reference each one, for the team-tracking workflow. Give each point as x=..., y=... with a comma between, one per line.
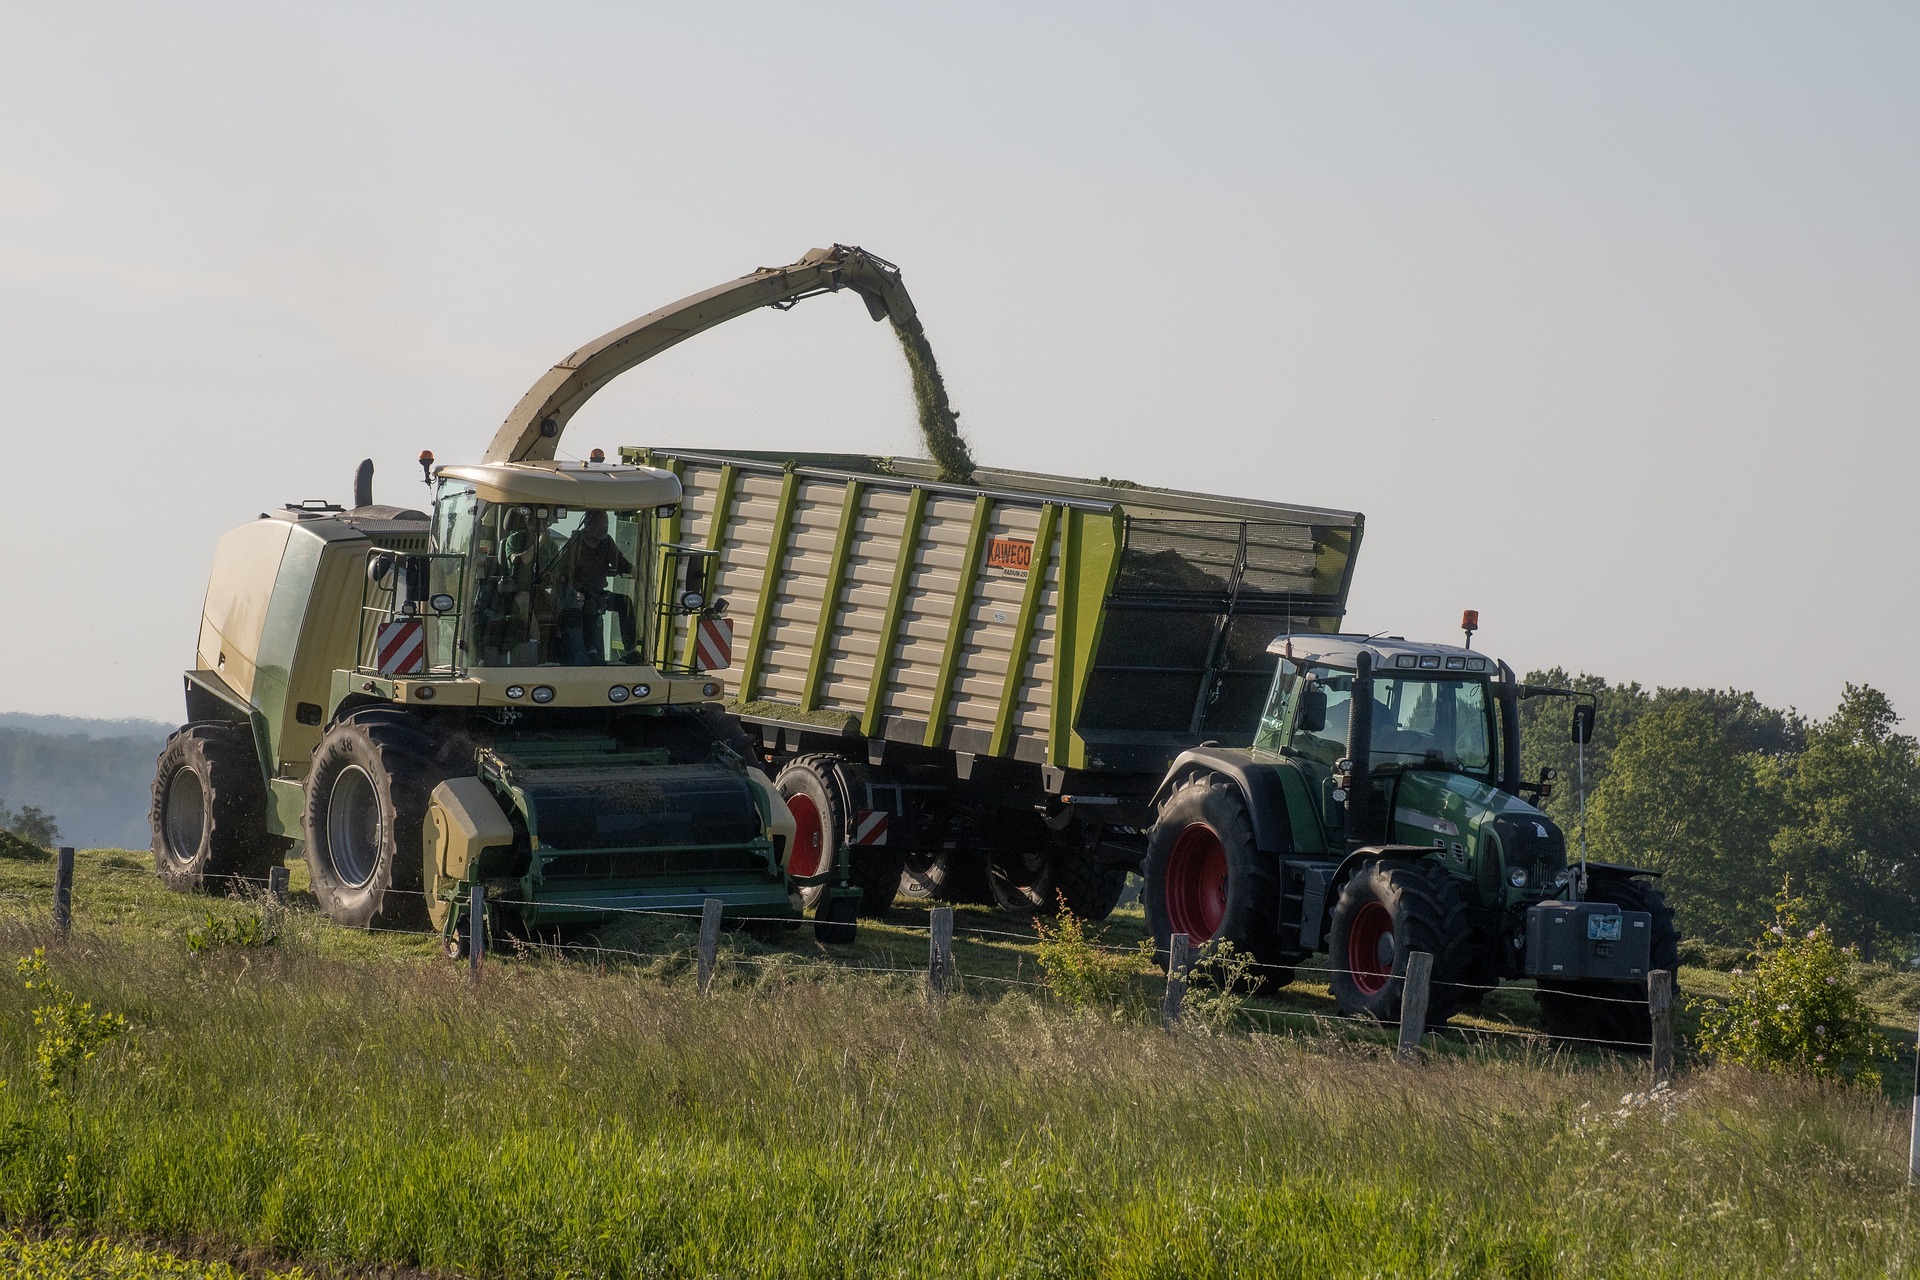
x=821, y=792
x=209, y=811
x=1091, y=887
x=1386, y=911
x=367, y=796
x=1567, y=1010
x=1205, y=878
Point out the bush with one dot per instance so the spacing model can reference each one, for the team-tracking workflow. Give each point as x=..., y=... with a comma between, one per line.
x=1799, y=1009
x=1217, y=985
x=1086, y=974
x=68, y=1033
x=231, y=931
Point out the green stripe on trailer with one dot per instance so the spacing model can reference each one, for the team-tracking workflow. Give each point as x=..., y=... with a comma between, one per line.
x=836, y=574
x=957, y=626
x=1023, y=629
x=668, y=531
x=896, y=604
x=716, y=540
x=769, y=579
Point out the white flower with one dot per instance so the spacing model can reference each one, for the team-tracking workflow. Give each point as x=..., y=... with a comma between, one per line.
x=1783, y=1007
x=1819, y=1031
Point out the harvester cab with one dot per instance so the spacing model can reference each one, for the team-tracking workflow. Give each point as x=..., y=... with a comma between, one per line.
x=1380, y=811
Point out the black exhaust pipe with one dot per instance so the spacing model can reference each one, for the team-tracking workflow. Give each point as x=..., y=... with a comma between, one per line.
x=1360, y=753
x=363, y=484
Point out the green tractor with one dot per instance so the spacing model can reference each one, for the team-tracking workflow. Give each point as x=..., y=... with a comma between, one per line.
x=1380, y=811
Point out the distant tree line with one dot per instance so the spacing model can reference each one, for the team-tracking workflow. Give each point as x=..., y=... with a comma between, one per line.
x=1729, y=798
x=95, y=790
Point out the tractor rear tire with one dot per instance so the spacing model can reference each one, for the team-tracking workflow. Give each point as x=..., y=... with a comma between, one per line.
x=209, y=811
x=820, y=792
x=1206, y=879
x=1386, y=911
x=367, y=796
x=1567, y=1009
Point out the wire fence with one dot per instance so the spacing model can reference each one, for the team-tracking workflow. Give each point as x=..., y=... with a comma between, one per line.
x=940, y=972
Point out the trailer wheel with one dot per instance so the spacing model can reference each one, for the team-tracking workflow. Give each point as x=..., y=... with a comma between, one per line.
x=1568, y=1009
x=955, y=875
x=818, y=790
x=1386, y=911
x=1205, y=878
x=1092, y=888
x=367, y=798
x=209, y=811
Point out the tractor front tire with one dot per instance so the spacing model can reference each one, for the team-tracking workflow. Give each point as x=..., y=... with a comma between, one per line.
x=367, y=798
x=1206, y=879
x=1386, y=911
x=209, y=811
x=1621, y=1017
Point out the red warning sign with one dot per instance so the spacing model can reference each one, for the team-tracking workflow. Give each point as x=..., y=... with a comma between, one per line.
x=1015, y=554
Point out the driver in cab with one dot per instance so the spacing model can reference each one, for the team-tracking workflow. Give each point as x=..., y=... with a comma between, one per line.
x=590, y=558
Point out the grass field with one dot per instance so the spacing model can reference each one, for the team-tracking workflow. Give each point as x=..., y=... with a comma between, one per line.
x=349, y=1101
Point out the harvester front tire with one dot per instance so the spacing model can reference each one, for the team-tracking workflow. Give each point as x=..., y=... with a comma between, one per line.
x=821, y=791
x=1566, y=1008
x=1386, y=911
x=367, y=798
x=1205, y=878
x=209, y=811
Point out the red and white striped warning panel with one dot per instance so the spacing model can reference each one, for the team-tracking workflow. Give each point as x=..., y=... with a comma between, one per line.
x=870, y=826
x=713, y=644
x=400, y=647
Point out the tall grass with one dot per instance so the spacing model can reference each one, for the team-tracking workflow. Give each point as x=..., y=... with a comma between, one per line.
x=558, y=1120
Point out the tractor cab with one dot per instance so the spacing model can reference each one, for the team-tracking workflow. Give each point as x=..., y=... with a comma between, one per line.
x=1405, y=743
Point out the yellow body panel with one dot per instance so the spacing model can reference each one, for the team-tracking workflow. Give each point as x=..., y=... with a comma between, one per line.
x=244, y=568
x=463, y=821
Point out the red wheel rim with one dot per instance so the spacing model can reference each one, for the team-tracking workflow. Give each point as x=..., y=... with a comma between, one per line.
x=809, y=838
x=1370, y=948
x=1196, y=882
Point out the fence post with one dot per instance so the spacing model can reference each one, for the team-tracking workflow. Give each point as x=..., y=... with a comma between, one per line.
x=709, y=942
x=1660, y=1011
x=1413, y=1004
x=63, y=894
x=277, y=886
x=940, y=952
x=1913, y=1144
x=1179, y=960
x=476, y=930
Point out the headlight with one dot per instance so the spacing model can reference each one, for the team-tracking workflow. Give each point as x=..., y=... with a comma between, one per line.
x=642, y=690
x=710, y=689
x=617, y=694
x=543, y=693
x=516, y=691
x=1517, y=877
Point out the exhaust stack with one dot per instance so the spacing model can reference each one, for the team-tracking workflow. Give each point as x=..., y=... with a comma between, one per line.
x=363, y=484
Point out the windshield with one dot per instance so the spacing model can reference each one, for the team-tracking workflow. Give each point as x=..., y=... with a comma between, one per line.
x=554, y=584
x=1418, y=722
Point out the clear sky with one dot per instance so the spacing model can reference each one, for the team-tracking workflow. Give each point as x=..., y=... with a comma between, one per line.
x=1596, y=311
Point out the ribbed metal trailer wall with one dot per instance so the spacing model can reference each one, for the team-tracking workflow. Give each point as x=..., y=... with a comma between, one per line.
x=868, y=599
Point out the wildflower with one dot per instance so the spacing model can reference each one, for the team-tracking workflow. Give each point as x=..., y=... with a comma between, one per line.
x=1739, y=973
x=1820, y=1030
x=1782, y=1007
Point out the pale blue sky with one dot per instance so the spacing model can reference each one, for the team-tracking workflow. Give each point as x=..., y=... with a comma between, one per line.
x=1604, y=315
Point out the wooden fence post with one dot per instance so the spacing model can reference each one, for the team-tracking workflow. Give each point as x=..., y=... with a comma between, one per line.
x=1913, y=1143
x=709, y=942
x=277, y=887
x=63, y=894
x=1179, y=960
x=476, y=930
x=1660, y=1010
x=940, y=952
x=1413, y=1004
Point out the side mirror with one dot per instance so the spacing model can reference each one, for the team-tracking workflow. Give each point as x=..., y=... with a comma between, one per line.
x=1583, y=723
x=1312, y=717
